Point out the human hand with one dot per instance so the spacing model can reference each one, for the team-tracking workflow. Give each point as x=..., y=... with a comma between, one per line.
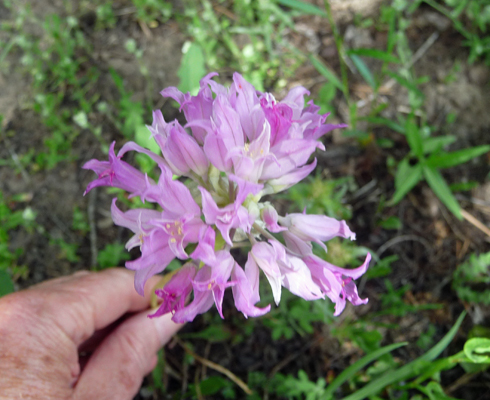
x=44, y=329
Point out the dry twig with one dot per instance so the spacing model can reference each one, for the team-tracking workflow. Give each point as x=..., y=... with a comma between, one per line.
x=216, y=367
x=475, y=222
x=403, y=238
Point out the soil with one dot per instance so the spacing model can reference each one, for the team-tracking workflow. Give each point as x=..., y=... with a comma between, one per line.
x=430, y=244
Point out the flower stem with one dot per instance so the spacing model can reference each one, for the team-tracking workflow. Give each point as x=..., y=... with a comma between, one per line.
x=231, y=191
x=343, y=66
x=263, y=232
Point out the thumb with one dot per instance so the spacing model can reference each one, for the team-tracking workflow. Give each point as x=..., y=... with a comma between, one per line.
x=117, y=367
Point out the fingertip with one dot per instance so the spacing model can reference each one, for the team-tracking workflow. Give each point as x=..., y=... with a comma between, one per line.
x=165, y=327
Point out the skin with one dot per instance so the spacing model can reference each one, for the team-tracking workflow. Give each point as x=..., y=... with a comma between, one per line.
x=84, y=336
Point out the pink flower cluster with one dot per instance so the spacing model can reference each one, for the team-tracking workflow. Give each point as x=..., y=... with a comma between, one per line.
x=238, y=145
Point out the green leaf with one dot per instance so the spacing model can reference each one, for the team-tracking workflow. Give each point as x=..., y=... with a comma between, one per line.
x=405, y=180
x=213, y=385
x=463, y=186
x=364, y=71
x=326, y=71
x=391, y=223
x=406, y=83
x=192, y=68
x=304, y=7
x=348, y=374
x=381, y=268
x=373, y=53
x=118, y=81
x=144, y=139
x=112, y=255
x=407, y=371
x=456, y=157
x=434, y=391
x=213, y=333
x=6, y=284
x=478, y=350
x=414, y=137
x=386, y=122
x=432, y=144
x=441, y=189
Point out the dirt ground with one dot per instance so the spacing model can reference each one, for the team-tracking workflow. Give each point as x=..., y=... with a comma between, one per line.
x=430, y=244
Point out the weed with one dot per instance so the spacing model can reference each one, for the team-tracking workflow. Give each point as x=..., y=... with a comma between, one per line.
x=393, y=303
x=112, y=255
x=151, y=11
x=477, y=13
x=425, y=161
x=295, y=315
x=321, y=196
x=68, y=251
x=58, y=65
x=10, y=271
x=471, y=279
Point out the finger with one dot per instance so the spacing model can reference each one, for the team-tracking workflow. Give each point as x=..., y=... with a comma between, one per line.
x=117, y=368
x=82, y=304
x=60, y=280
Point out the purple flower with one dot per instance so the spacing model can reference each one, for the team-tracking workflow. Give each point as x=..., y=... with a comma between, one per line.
x=184, y=153
x=175, y=291
x=230, y=217
x=116, y=173
x=236, y=146
x=336, y=282
x=316, y=228
x=246, y=289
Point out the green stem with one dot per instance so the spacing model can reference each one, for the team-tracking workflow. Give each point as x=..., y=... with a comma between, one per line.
x=457, y=24
x=263, y=232
x=231, y=191
x=340, y=49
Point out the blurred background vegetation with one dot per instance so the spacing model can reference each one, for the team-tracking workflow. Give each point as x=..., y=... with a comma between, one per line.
x=410, y=174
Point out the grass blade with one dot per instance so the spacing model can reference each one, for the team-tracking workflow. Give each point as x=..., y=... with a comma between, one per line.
x=406, y=83
x=373, y=53
x=441, y=189
x=405, y=180
x=393, y=125
x=432, y=144
x=457, y=157
x=348, y=373
x=414, y=137
x=326, y=72
x=364, y=71
x=306, y=8
x=409, y=370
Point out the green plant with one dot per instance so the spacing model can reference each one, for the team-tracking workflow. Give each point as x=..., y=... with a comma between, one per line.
x=57, y=63
x=421, y=374
x=295, y=315
x=425, y=160
x=112, y=255
x=477, y=13
x=150, y=11
x=245, y=38
x=471, y=279
x=68, y=251
x=393, y=303
x=25, y=218
x=80, y=221
x=321, y=196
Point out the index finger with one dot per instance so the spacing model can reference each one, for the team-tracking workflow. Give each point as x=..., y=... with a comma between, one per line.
x=82, y=304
